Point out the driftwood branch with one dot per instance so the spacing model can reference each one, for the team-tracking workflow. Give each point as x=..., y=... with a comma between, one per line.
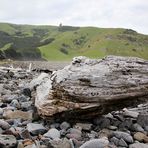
x=90, y=87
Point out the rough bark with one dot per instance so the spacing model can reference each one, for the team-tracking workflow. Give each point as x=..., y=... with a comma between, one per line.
x=91, y=87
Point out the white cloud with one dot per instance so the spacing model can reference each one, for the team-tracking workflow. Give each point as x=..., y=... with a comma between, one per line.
x=101, y=13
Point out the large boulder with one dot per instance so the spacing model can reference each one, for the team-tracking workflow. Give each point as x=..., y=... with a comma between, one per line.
x=91, y=87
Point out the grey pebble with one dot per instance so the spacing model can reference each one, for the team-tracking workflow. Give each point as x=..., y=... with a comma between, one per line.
x=53, y=133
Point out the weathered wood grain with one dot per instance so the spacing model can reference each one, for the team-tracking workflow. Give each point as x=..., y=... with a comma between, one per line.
x=91, y=87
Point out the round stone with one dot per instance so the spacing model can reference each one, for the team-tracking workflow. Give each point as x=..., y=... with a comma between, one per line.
x=53, y=133
x=64, y=125
x=7, y=141
x=96, y=143
x=15, y=103
x=4, y=125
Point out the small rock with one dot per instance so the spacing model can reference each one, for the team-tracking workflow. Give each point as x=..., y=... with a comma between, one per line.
x=7, y=141
x=122, y=143
x=112, y=127
x=105, y=133
x=96, y=143
x=125, y=136
x=15, y=104
x=84, y=126
x=4, y=125
x=17, y=122
x=43, y=146
x=26, y=105
x=1, y=130
x=93, y=135
x=25, y=134
x=119, y=117
x=10, y=121
x=102, y=122
x=46, y=141
x=115, y=122
x=74, y=133
x=141, y=137
x=9, y=74
x=113, y=146
x=6, y=92
x=1, y=111
x=65, y=143
x=28, y=142
x=12, y=131
x=24, y=123
x=138, y=145
x=20, y=145
x=76, y=143
x=126, y=124
x=8, y=114
x=146, y=128
x=55, y=125
x=53, y=133
x=109, y=115
x=74, y=136
x=114, y=140
x=1, y=88
x=128, y=113
x=143, y=120
x=8, y=98
x=20, y=75
x=31, y=146
x=63, y=132
x=137, y=128
x=64, y=125
x=36, y=129
x=23, y=98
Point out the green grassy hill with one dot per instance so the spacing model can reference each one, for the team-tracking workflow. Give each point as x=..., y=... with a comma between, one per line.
x=27, y=42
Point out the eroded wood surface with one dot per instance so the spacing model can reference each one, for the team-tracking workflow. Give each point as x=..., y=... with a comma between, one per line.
x=91, y=87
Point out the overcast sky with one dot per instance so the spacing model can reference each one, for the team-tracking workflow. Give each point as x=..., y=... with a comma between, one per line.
x=101, y=13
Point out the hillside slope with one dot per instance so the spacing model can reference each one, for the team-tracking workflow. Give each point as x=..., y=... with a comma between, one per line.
x=27, y=42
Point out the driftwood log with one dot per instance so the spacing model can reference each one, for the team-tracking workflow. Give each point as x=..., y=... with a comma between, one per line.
x=91, y=87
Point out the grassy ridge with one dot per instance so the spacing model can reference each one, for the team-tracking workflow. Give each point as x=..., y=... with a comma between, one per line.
x=65, y=42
